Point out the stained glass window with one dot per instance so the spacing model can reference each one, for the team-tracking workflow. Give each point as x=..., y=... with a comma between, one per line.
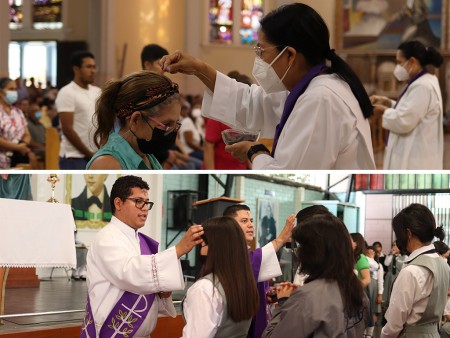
x=15, y=14
x=221, y=21
x=47, y=14
x=251, y=13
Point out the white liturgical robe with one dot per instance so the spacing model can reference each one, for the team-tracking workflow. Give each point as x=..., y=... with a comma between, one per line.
x=416, y=138
x=326, y=129
x=115, y=265
x=203, y=305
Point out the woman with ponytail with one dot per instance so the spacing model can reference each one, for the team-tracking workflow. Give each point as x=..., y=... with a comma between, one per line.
x=136, y=119
x=316, y=114
x=415, y=120
x=419, y=293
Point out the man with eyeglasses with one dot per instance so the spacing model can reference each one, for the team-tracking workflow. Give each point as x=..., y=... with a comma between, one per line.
x=129, y=282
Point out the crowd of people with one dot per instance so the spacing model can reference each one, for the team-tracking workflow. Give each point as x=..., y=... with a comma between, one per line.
x=307, y=100
x=339, y=289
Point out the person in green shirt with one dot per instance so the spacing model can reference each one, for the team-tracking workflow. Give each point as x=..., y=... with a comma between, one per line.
x=136, y=118
x=362, y=268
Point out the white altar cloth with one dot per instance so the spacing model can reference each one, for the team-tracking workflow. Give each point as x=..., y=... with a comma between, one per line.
x=36, y=234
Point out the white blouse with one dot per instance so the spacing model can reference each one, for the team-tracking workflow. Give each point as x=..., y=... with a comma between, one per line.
x=409, y=297
x=203, y=305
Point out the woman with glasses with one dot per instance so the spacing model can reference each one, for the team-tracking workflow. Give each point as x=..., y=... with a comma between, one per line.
x=137, y=119
x=316, y=113
x=224, y=300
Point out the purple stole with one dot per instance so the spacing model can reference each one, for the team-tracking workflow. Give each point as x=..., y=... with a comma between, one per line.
x=130, y=310
x=409, y=83
x=292, y=98
x=259, y=322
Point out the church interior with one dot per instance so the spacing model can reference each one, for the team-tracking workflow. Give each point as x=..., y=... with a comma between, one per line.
x=221, y=33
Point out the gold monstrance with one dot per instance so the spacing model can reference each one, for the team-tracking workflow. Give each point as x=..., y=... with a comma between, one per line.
x=53, y=178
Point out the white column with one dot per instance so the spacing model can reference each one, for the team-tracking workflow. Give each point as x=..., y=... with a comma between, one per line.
x=240, y=187
x=101, y=42
x=195, y=12
x=5, y=37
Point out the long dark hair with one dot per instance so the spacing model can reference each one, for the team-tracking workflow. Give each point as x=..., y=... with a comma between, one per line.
x=326, y=252
x=301, y=27
x=118, y=94
x=360, y=244
x=425, y=55
x=228, y=260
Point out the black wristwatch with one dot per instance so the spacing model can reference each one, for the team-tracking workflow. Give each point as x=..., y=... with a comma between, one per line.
x=256, y=148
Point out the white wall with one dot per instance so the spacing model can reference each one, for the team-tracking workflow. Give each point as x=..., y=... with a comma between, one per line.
x=378, y=220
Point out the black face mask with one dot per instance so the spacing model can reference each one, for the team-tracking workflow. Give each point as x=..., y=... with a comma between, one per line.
x=158, y=143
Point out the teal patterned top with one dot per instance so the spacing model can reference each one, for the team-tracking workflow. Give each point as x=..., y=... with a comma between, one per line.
x=121, y=150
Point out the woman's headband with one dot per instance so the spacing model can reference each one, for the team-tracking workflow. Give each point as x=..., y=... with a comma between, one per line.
x=152, y=97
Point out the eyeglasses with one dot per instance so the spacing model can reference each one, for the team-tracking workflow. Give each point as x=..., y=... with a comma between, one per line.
x=139, y=203
x=167, y=129
x=259, y=50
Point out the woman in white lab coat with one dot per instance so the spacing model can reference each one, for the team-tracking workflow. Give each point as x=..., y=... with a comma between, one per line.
x=416, y=137
x=317, y=115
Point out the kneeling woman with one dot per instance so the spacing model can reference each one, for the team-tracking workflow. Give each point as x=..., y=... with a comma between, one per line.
x=223, y=302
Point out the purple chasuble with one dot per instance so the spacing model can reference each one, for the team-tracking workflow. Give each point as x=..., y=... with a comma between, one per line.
x=292, y=98
x=259, y=322
x=130, y=310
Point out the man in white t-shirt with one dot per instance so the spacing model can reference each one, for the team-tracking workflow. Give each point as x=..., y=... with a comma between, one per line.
x=75, y=104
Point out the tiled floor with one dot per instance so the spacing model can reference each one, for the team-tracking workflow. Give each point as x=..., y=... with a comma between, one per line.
x=380, y=153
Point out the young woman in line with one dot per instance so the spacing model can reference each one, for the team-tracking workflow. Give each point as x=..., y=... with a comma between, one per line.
x=222, y=303
x=332, y=302
x=419, y=293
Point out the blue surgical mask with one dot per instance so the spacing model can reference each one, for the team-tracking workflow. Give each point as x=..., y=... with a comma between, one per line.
x=38, y=114
x=11, y=96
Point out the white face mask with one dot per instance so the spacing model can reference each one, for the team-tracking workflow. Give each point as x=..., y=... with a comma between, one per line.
x=266, y=76
x=11, y=96
x=401, y=73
